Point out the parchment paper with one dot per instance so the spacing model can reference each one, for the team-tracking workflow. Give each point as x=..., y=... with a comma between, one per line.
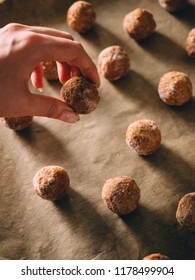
x=94, y=149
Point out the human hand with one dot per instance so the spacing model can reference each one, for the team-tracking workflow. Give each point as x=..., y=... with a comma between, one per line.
x=22, y=49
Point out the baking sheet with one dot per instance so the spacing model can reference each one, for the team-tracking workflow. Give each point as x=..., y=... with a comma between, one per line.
x=94, y=149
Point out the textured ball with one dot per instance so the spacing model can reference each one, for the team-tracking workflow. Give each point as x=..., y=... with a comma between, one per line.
x=17, y=123
x=50, y=70
x=113, y=62
x=80, y=94
x=51, y=182
x=139, y=24
x=121, y=195
x=173, y=5
x=190, y=43
x=175, y=88
x=81, y=16
x=156, y=256
x=185, y=213
x=143, y=136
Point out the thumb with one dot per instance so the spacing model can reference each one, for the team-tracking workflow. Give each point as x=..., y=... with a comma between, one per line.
x=47, y=106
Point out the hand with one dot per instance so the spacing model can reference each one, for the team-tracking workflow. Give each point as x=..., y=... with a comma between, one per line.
x=22, y=49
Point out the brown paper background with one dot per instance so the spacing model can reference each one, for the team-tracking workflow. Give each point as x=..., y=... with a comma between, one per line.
x=94, y=149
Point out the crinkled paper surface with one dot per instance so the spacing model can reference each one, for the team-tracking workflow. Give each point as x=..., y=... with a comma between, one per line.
x=94, y=149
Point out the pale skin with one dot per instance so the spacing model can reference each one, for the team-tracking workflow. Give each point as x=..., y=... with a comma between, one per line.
x=22, y=49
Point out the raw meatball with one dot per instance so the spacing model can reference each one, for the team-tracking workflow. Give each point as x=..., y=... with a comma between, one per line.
x=190, y=43
x=143, y=136
x=17, y=123
x=81, y=95
x=175, y=88
x=113, y=63
x=185, y=213
x=50, y=70
x=173, y=5
x=156, y=256
x=121, y=195
x=51, y=182
x=139, y=24
x=81, y=16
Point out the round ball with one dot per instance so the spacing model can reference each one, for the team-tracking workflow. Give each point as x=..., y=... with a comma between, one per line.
x=50, y=70
x=113, y=62
x=143, y=136
x=80, y=94
x=190, y=43
x=121, y=195
x=17, y=123
x=185, y=213
x=51, y=182
x=173, y=5
x=81, y=16
x=175, y=88
x=156, y=256
x=139, y=24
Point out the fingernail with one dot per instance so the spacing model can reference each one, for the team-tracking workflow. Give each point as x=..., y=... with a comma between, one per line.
x=40, y=89
x=70, y=117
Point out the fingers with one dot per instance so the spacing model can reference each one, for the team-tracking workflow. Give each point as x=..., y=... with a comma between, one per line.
x=64, y=72
x=80, y=59
x=50, y=32
x=82, y=63
x=92, y=74
x=53, y=44
x=40, y=30
x=42, y=105
x=75, y=72
x=71, y=52
x=37, y=76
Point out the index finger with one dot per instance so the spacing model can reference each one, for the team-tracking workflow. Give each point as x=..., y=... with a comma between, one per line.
x=71, y=52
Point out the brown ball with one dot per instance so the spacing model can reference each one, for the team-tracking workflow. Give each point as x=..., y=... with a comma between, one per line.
x=121, y=195
x=80, y=94
x=156, y=256
x=50, y=70
x=173, y=5
x=17, y=123
x=113, y=62
x=143, y=136
x=51, y=182
x=185, y=213
x=190, y=43
x=175, y=88
x=81, y=16
x=139, y=24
